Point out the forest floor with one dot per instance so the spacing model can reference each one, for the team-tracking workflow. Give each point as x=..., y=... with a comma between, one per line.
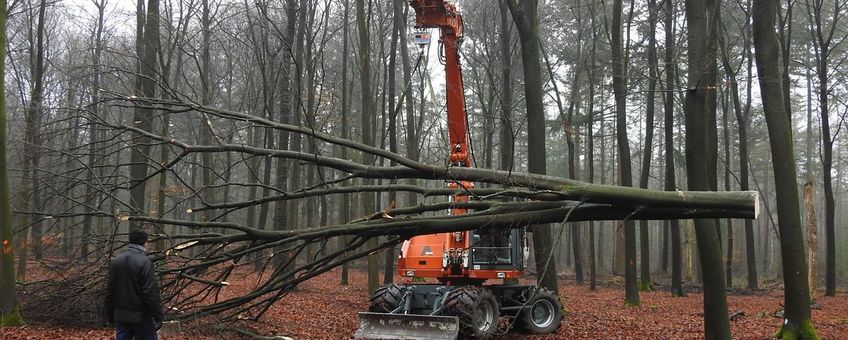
x=322, y=309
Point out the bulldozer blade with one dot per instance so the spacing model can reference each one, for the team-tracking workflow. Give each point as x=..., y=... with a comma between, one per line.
x=406, y=326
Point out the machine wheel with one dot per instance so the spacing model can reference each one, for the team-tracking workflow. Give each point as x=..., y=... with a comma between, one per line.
x=477, y=310
x=386, y=299
x=543, y=314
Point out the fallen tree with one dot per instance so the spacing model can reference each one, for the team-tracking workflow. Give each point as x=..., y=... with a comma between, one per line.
x=197, y=257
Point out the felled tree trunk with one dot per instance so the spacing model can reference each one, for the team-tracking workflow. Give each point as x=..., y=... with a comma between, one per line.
x=541, y=200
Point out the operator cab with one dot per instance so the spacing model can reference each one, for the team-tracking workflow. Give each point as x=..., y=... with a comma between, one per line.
x=498, y=249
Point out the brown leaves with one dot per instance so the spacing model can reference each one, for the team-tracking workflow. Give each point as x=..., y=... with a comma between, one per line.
x=322, y=309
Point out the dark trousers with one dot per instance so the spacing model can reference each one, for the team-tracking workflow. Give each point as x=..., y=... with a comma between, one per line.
x=145, y=330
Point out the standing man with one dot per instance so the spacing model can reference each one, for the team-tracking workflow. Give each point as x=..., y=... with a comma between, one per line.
x=133, y=304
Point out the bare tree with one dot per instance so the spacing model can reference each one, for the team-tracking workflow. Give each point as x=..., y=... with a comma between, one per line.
x=32, y=144
x=344, y=211
x=146, y=80
x=367, y=118
x=619, y=79
x=526, y=19
x=797, y=323
x=699, y=169
x=823, y=30
x=644, y=252
x=9, y=313
x=668, y=109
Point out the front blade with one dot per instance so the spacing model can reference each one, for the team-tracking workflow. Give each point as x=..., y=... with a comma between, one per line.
x=406, y=326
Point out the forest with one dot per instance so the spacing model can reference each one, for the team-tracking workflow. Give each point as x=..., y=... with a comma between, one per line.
x=674, y=158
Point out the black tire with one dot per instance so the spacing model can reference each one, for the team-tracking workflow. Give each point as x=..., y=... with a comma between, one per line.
x=543, y=312
x=477, y=310
x=386, y=299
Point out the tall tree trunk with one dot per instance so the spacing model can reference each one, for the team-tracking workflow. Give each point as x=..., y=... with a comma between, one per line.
x=295, y=141
x=205, y=99
x=644, y=252
x=310, y=144
x=344, y=210
x=590, y=144
x=699, y=167
x=268, y=76
x=93, y=135
x=743, y=120
x=822, y=38
x=668, y=123
x=388, y=270
x=742, y=128
x=411, y=135
x=281, y=176
x=526, y=20
x=142, y=118
x=728, y=259
x=797, y=322
x=576, y=246
x=619, y=84
x=367, y=121
x=603, y=180
x=32, y=144
x=10, y=315
x=506, y=133
x=164, y=153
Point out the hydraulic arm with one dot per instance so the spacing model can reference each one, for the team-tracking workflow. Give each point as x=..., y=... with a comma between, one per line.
x=443, y=15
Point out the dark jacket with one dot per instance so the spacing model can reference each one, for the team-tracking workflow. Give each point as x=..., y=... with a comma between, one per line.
x=132, y=292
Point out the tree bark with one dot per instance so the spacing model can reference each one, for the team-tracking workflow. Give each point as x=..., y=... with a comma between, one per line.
x=742, y=119
x=668, y=112
x=9, y=313
x=699, y=167
x=344, y=209
x=644, y=242
x=809, y=202
x=388, y=270
x=295, y=140
x=822, y=38
x=590, y=143
x=743, y=122
x=812, y=242
x=506, y=133
x=142, y=118
x=286, y=88
x=93, y=135
x=797, y=322
x=367, y=119
x=619, y=80
x=411, y=133
x=526, y=20
x=32, y=143
x=728, y=260
x=208, y=193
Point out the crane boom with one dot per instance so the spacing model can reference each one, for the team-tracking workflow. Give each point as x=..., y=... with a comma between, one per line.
x=443, y=15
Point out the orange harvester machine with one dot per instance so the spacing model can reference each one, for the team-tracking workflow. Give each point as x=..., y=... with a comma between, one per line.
x=461, y=303
x=446, y=256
